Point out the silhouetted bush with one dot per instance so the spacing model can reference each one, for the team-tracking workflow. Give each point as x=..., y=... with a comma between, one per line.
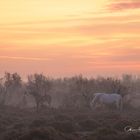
x=63, y=117
x=121, y=124
x=103, y=134
x=64, y=126
x=38, y=123
x=89, y=125
x=41, y=134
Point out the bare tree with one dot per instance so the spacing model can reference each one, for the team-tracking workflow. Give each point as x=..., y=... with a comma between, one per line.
x=12, y=81
x=38, y=86
x=80, y=92
x=2, y=95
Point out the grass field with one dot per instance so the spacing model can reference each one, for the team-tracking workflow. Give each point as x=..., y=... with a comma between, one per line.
x=58, y=124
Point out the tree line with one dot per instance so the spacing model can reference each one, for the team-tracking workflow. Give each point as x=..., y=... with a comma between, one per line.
x=72, y=92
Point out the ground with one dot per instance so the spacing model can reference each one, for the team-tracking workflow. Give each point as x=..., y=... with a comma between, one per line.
x=64, y=124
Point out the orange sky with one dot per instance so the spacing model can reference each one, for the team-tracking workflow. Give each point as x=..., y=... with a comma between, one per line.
x=66, y=38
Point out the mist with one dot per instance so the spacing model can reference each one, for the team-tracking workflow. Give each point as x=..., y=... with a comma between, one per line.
x=46, y=108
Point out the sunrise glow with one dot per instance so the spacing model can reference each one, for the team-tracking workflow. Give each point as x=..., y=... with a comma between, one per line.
x=66, y=38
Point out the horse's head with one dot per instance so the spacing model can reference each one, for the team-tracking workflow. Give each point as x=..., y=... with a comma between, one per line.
x=94, y=99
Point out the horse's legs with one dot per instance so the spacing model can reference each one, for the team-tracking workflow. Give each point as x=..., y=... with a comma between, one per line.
x=102, y=105
x=119, y=104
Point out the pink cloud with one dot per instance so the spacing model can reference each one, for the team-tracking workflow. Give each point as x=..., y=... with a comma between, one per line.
x=124, y=5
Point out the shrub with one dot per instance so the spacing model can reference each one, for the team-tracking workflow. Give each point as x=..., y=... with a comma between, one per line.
x=89, y=125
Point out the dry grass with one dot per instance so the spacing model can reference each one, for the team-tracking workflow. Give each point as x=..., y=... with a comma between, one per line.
x=58, y=124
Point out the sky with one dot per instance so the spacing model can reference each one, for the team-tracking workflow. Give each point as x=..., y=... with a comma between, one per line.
x=67, y=38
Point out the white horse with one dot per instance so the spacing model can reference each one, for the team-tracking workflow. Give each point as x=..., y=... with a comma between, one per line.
x=107, y=99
